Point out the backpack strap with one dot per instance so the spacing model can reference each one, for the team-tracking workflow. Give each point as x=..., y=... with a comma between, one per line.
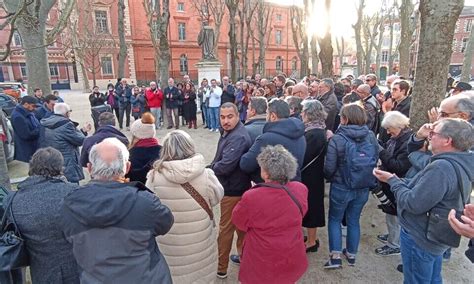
x=285, y=189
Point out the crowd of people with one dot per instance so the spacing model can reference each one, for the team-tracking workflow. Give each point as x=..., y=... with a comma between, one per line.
x=147, y=214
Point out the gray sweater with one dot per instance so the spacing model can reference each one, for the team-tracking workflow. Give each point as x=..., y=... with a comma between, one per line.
x=435, y=186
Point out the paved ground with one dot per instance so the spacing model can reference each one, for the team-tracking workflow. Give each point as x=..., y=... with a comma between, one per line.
x=370, y=268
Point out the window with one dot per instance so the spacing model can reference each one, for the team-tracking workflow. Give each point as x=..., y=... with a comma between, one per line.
x=386, y=41
x=455, y=42
x=467, y=25
x=23, y=70
x=180, y=6
x=278, y=17
x=456, y=30
x=464, y=44
x=279, y=63
x=17, y=39
x=384, y=56
x=101, y=24
x=183, y=64
x=396, y=27
x=181, y=31
x=278, y=37
x=106, y=63
x=53, y=70
x=294, y=64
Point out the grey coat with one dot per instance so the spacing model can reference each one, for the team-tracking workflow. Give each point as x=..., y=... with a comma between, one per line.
x=329, y=101
x=36, y=211
x=61, y=134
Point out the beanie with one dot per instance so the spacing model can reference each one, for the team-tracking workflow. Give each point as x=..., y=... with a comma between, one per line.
x=144, y=127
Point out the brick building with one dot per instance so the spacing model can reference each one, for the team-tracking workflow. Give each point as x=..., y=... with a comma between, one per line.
x=461, y=37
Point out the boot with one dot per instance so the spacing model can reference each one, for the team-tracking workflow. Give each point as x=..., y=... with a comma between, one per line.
x=190, y=124
x=195, y=126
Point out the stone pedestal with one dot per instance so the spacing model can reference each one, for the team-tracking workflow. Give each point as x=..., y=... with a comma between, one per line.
x=209, y=70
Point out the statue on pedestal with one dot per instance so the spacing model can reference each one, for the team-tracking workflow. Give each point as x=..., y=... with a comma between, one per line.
x=206, y=42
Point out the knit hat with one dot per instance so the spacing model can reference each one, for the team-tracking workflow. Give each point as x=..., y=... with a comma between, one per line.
x=144, y=127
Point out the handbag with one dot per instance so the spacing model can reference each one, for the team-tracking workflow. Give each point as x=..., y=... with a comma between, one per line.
x=285, y=189
x=13, y=253
x=200, y=200
x=438, y=228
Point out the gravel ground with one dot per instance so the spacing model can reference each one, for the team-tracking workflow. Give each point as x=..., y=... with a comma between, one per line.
x=370, y=268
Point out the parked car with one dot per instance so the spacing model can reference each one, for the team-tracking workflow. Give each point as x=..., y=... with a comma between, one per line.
x=6, y=135
x=7, y=104
x=15, y=89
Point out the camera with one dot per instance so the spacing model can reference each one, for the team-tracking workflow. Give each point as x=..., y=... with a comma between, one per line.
x=386, y=204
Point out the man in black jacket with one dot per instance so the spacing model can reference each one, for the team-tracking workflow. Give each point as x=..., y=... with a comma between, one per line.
x=228, y=91
x=112, y=225
x=171, y=94
x=233, y=143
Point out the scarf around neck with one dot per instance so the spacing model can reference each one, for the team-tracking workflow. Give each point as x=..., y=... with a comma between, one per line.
x=314, y=125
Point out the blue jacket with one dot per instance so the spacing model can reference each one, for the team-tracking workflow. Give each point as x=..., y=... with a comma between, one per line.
x=61, y=134
x=225, y=165
x=436, y=186
x=112, y=227
x=107, y=131
x=337, y=149
x=255, y=126
x=124, y=94
x=289, y=133
x=26, y=133
x=42, y=112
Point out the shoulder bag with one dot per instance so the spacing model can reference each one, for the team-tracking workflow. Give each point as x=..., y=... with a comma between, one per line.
x=199, y=199
x=314, y=160
x=13, y=253
x=438, y=229
x=285, y=189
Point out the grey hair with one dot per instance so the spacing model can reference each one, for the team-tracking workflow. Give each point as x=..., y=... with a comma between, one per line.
x=465, y=104
x=259, y=104
x=294, y=103
x=357, y=82
x=61, y=108
x=46, y=162
x=177, y=145
x=395, y=119
x=108, y=170
x=280, y=108
x=314, y=111
x=278, y=163
x=460, y=131
x=106, y=118
x=328, y=82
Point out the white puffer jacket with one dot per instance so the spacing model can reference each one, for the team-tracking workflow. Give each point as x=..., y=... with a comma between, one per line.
x=190, y=247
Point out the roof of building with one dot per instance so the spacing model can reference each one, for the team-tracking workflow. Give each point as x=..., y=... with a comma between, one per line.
x=467, y=10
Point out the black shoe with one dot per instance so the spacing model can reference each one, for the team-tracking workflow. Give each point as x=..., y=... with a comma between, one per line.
x=400, y=268
x=313, y=248
x=169, y=127
x=222, y=275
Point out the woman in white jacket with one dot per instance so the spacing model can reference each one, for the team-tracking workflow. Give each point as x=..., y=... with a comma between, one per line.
x=190, y=247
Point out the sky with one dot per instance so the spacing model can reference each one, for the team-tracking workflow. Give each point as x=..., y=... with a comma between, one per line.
x=343, y=14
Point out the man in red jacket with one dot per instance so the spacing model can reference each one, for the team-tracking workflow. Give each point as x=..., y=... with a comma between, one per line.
x=154, y=97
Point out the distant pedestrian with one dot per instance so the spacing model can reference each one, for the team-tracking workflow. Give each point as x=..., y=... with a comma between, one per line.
x=154, y=97
x=138, y=103
x=172, y=96
x=215, y=94
x=189, y=105
x=112, y=100
x=96, y=98
x=124, y=94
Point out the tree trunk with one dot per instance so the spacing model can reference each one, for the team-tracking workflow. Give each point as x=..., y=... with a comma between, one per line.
x=232, y=8
x=4, y=177
x=434, y=55
x=121, y=33
x=340, y=51
x=467, y=60
x=357, y=31
x=406, y=11
x=391, y=53
x=325, y=45
x=314, y=54
x=379, y=48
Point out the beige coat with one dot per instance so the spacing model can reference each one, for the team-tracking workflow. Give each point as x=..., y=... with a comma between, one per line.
x=190, y=247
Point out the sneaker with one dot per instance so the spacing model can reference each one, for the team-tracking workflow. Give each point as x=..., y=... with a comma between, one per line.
x=333, y=263
x=383, y=238
x=222, y=275
x=387, y=251
x=235, y=259
x=350, y=258
x=211, y=130
x=400, y=268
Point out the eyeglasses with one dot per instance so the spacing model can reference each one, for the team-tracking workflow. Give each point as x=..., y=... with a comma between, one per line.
x=446, y=114
x=433, y=133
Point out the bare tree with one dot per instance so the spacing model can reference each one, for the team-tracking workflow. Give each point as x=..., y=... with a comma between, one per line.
x=392, y=52
x=246, y=12
x=211, y=10
x=357, y=31
x=232, y=7
x=467, y=60
x=29, y=18
x=340, y=46
x=325, y=45
x=407, y=26
x=121, y=33
x=434, y=54
x=299, y=22
x=264, y=14
x=370, y=27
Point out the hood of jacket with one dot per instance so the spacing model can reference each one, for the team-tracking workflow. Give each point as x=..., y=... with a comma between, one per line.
x=355, y=132
x=292, y=128
x=54, y=121
x=101, y=204
x=181, y=171
x=464, y=160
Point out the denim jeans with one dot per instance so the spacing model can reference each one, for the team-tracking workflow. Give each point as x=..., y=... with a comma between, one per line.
x=342, y=199
x=205, y=115
x=419, y=266
x=156, y=111
x=214, y=117
x=393, y=227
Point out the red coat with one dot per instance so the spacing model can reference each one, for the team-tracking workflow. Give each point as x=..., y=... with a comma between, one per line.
x=154, y=98
x=273, y=250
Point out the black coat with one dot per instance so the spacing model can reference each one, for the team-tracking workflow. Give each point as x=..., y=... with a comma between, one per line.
x=190, y=107
x=26, y=133
x=228, y=94
x=172, y=97
x=313, y=177
x=97, y=99
x=142, y=159
x=103, y=132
